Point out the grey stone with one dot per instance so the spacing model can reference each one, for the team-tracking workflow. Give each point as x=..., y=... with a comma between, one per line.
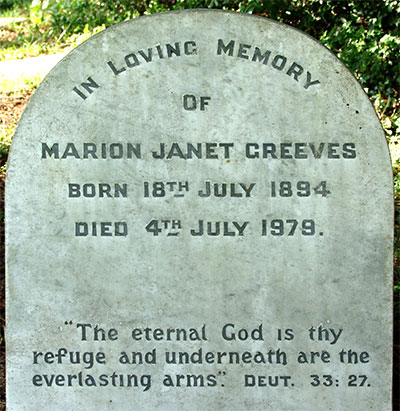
x=283, y=302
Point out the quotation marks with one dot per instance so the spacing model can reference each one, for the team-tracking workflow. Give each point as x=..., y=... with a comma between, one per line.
x=68, y=322
x=222, y=373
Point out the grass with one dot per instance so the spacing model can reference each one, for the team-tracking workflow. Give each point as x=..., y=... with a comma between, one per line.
x=18, y=43
x=20, y=40
x=13, y=12
x=19, y=84
x=32, y=37
x=13, y=98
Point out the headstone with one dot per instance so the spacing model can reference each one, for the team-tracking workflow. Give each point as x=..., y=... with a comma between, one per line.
x=199, y=217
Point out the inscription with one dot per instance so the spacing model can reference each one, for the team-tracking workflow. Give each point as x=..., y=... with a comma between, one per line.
x=289, y=227
x=89, y=86
x=278, y=62
x=212, y=151
x=101, y=229
x=217, y=228
x=157, y=52
x=231, y=48
x=226, y=190
x=161, y=189
x=274, y=227
x=267, y=381
x=301, y=151
x=299, y=189
x=92, y=150
x=205, y=189
x=191, y=102
x=208, y=151
x=157, y=336
x=100, y=190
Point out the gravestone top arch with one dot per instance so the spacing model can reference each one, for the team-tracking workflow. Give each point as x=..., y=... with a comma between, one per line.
x=199, y=216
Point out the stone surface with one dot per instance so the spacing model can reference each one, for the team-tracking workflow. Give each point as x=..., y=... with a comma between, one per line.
x=212, y=192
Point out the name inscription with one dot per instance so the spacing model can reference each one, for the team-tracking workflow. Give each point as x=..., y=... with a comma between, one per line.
x=207, y=151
